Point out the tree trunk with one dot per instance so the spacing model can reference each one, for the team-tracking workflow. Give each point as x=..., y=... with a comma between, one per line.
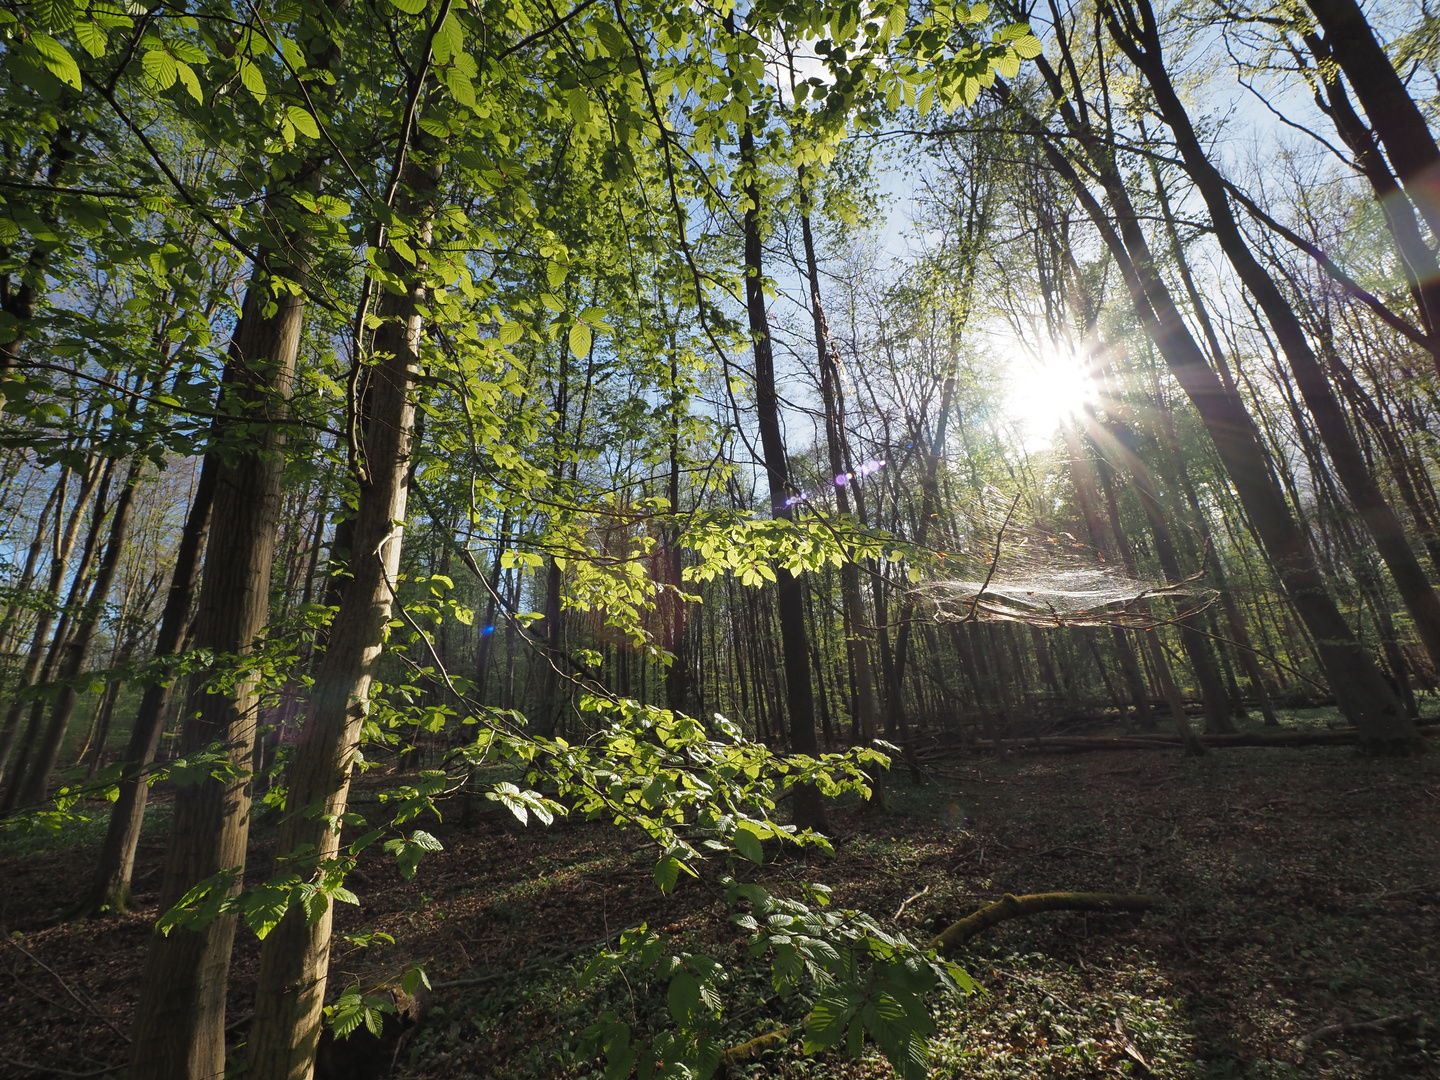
x=1398, y=122
x=854, y=606
x=1086, y=496
x=77, y=650
x=59, y=563
x=294, y=958
x=111, y=888
x=789, y=589
x=56, y=651
x=1217, y=713
x=180, y=1022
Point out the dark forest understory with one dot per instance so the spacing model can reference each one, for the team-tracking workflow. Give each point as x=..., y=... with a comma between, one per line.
x=1300, y=892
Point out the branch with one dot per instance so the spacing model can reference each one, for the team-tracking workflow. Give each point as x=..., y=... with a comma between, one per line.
x=1012, y=907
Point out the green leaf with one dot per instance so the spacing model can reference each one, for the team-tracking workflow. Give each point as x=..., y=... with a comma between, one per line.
x=580, y=339
x=189, y=80
x=667, y=873
x=1029, y=47
x=579, y=102
x=59, y=62
x=886, y=1020
x=747, y=842
x=92, y=38
x=511, y=332
x=683, y=997
x=303, y=121
x=449, y=39
x=55, y=14
x=252, y=80
x=827, y=1021
x=855, y=1038
x=413, y=978
x=409, y=7
x=461, y=88
x=160, y=69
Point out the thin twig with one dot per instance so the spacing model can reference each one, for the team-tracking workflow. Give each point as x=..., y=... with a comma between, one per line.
x=88, y=1006
x=905, y=903
x=995, y=559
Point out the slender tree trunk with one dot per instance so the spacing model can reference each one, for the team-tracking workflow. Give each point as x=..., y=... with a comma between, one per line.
x=179, y=1030
x=59, y=563
x=1193, y=746
x=1397, y=120
x=833, y=394
x=929, y=500
x=64, y=630
x=1119, y=439
x=78, y=648
x=295, y=956
x=111, y=888
x=1086, y=496
x=789, y=589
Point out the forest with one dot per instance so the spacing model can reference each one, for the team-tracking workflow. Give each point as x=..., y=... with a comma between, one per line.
x=752, y=538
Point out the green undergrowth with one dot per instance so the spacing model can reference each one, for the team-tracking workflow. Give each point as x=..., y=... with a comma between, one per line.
x=1298, y=888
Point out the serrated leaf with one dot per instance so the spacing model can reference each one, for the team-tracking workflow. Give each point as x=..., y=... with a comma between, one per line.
x=579, y=103
x=409, y=7
x=55, y=14
x=449, y=39
x=160, y=69
x=747, y=842
x=461, y=88
x=189, y=80
x=58, y=60
x=580, y=339
x=683, y=997
x=667, y=873
x=303, y=121
x=252, y=80
x=827, y=1021
x=511, y=332
x=1029, y=47
x=91, y=38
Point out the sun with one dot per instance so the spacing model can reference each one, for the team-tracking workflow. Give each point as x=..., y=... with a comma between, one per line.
x=1045, y=386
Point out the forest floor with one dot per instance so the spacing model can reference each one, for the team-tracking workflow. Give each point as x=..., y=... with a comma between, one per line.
x=1301, y=888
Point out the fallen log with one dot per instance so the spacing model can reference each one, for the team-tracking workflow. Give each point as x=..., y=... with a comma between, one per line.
x=1306, y=1041
x=957, y=934
x=1078, y=743
x=1010, y=906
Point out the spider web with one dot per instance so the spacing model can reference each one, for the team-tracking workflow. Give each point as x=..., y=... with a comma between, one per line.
x=1003, y=569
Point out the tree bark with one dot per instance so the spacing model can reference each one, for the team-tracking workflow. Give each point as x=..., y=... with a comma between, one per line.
x=809, y=809
x=180, y=1022
x=294, y=958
